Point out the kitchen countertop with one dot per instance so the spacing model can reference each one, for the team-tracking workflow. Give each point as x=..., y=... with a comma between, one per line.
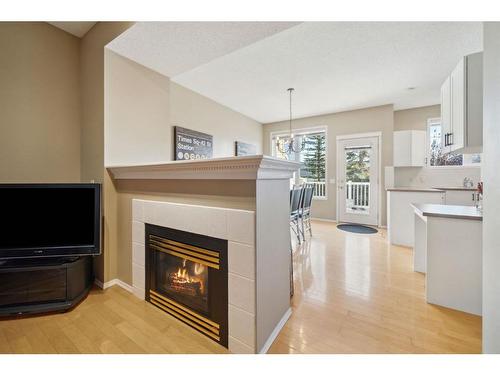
x=409, y=188
x=449, y=211
x=459, y=188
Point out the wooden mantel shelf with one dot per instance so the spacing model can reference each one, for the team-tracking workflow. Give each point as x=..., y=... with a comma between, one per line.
x=255, y=167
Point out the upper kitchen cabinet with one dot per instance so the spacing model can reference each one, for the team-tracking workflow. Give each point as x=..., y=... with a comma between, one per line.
x=409, y=148
x=462, y=106
x=446, y=113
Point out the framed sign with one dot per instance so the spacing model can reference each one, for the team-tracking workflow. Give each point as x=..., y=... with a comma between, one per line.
x=242, y=149
x=192, y=145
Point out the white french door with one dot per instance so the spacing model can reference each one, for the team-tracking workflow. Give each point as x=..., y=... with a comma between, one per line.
x=358, y=180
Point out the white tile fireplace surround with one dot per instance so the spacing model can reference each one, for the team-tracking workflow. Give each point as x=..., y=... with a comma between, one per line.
x=235, y=226
x=258, y=241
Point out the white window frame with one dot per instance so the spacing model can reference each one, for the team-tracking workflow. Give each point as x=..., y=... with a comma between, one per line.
x=433, y=121
x=302, y=131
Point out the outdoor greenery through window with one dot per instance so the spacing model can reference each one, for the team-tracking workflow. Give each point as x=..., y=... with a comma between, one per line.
x=357, y=177
x=436, y=157
x=312, y=159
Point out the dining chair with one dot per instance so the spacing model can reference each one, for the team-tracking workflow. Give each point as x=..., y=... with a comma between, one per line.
x=295, y=200
x=305, y=210
x=296, y=195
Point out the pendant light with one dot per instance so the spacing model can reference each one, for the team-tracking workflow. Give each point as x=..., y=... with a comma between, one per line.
x=290, y=144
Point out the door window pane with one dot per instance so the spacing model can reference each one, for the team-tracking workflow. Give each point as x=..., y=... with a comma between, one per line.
x=357, y=177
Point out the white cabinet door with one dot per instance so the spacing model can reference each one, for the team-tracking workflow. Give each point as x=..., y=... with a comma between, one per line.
x=458, y=107
x=474, y=100
x=402, y=148
x=445, y=112
x=459, y=197
x=400, y=214
x=409, y=148
x=418, y=148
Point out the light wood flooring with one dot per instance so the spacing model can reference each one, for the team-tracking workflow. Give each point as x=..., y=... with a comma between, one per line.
x=110, y=321
x=358, y=294
x=353, y=294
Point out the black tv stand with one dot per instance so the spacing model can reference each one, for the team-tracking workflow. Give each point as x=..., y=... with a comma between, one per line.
x=39, y=285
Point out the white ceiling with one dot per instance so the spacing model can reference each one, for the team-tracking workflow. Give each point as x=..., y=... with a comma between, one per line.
x=171, y=48
x=334, y=66
x=78, y=29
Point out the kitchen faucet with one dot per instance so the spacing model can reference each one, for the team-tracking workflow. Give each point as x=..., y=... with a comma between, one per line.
x=468, y=183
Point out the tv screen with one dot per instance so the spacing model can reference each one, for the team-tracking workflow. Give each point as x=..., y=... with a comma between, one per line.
x=38, y=220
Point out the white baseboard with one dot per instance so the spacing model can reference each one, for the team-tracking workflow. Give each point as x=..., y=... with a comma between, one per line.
x=110, y=283
x=276, y=331
x=325, y=220
x=99, y=283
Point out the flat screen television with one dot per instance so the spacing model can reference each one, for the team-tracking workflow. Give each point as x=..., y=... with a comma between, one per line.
x=49, y=220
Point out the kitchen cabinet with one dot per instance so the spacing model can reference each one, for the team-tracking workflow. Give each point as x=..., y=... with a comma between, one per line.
x=462, y=106
x=459, y=197
x=400, y=221
x=448, y=249
x=409, y=148
x=445, y=113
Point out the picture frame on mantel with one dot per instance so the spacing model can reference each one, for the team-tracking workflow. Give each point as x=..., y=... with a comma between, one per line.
x=244, y=149
x=191, y=144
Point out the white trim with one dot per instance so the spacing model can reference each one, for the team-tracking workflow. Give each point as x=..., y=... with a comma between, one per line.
x=113, y=282
x=465, y=166
x=306, y=130
x=254, y=167
x=325, y=198
x=359, y=135
x=99, y=283
x=325, y=220
x=301, y=131
x=124, y=285
x=377, y=134
x=276, y=331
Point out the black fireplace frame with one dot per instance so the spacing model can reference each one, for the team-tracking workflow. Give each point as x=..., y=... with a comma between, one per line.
x=217, y=279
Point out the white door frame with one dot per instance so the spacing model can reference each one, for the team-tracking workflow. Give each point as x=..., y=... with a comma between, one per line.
x=379, y=174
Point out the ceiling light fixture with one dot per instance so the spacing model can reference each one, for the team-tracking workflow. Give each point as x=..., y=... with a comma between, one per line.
x=290, y=144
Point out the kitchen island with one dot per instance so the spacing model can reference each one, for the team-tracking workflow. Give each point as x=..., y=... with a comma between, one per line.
x=400, y=213
x=448, y=249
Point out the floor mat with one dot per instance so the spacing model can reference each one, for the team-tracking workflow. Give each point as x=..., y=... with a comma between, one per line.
x=356, y=228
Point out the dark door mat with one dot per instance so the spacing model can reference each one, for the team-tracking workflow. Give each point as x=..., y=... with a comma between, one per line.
x=356, y=228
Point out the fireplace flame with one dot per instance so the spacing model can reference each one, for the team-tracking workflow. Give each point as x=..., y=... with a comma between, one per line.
x=199, y=269
x=182, y=276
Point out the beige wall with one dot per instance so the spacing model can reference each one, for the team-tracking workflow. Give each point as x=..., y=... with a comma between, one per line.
x=415, y=118
x=343, y=123
x=92, y=78
x=141, y=107
x=92, y=129
x=137, y=113
x=191, y=110
x=39, y=103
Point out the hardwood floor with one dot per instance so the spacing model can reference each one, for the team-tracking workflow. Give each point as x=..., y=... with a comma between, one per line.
x=358, y=294
x=353, y=294
x=110, y=321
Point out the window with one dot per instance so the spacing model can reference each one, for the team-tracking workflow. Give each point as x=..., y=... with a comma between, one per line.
x=435, y=155
x=312, y=159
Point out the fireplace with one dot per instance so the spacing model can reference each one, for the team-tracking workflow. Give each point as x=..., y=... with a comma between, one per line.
x=186, y=276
